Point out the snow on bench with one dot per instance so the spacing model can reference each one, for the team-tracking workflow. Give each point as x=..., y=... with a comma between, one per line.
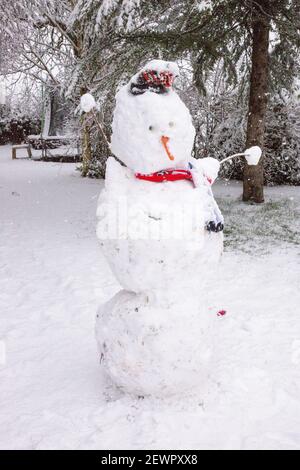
x=55, y=148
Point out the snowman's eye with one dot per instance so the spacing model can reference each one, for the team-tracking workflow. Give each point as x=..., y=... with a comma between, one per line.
x=171, y=124
x=151, y=128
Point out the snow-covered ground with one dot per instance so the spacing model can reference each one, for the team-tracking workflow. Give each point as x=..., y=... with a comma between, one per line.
x=53, y=277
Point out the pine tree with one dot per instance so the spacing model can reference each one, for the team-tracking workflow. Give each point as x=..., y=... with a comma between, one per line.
x=238, y=32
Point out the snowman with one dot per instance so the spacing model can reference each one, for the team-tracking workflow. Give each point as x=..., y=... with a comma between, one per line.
x=161, y=232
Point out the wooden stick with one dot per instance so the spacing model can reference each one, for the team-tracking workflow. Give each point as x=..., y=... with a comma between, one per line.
x=232, y=156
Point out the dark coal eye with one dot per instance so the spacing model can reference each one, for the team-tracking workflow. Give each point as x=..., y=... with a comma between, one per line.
x=171, y=124
x=151, y=128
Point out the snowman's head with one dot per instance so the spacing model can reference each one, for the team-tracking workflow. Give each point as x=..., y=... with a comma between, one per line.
x=152, y=128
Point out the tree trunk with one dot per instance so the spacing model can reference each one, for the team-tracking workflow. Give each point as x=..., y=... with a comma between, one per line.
x=86, y=147
x=85, y=140
x=254, y=175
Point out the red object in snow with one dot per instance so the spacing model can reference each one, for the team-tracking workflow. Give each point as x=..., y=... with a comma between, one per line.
x=221, y=313
x=166, y=175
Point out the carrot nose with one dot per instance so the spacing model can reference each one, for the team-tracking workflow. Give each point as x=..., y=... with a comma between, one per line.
x=164, y=140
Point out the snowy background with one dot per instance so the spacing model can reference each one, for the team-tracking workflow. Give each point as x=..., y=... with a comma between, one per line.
x=52, y=279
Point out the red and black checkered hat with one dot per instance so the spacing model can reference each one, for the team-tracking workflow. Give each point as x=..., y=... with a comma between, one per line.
x=152, y=80
x=165, y=79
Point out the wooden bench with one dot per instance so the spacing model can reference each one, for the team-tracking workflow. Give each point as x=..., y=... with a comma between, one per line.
x=19, y=147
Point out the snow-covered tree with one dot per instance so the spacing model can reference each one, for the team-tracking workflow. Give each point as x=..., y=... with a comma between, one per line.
x=239, y=32
x=75, y=46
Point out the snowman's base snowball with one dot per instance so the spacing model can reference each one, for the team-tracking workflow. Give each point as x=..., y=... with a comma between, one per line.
x=150, y=347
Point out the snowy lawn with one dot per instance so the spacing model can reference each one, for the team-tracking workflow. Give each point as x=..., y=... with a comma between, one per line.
x=52, y=278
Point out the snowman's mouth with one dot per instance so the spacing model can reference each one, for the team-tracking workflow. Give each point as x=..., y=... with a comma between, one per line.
x=164, y=140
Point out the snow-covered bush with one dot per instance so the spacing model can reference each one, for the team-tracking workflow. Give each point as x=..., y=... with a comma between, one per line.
x=222, y=131
x=282, y=144
x=229, y=138
x=96, y=168
x=14, y=130
x=220, y=124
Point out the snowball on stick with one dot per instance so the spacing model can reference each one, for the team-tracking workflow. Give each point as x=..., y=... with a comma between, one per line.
x=87, y=103
x=252, y=156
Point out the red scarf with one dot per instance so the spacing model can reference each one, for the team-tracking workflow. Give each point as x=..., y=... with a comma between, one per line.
x=166, y=175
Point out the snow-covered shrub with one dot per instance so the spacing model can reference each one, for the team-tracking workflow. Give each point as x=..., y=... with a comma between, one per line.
x=96, y=168
x=222, y=131
x=282, y=144
x=15, y=129
x=229, y=138
x=220, y=128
